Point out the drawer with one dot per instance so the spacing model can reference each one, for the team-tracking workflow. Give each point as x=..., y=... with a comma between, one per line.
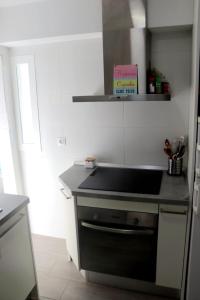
x=173, y=209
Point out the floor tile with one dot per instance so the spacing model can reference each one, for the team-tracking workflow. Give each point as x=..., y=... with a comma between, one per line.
x=89, y=291
x=51, y=287
x=65, y=270
x=44, y=298
x=49, y=244
x=45, y=260
x=83, y=291
x=59, y=279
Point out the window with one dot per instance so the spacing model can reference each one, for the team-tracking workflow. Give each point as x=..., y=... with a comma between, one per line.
x=26, y=101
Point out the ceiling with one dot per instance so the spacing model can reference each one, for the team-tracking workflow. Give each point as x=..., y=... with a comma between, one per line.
x=7, y=3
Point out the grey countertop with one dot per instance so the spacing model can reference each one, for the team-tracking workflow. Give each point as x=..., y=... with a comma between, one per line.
x=10, y=205
x=174, y=190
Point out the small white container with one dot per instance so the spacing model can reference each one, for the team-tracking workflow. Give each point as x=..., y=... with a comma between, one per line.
x=90, y=162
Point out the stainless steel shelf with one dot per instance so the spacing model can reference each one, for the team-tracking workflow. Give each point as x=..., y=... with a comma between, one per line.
x=115, y=98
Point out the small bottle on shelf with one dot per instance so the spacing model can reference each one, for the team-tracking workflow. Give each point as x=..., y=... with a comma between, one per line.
x=158, y=83
x=151, y=79
x=165, y=86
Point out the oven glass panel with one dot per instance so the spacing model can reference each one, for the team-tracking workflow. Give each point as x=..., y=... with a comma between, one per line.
x=131, y=253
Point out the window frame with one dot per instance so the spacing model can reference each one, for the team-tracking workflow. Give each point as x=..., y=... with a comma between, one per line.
x=27, y=59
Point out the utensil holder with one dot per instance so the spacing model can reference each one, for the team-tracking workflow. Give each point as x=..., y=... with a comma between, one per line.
x=175, y=166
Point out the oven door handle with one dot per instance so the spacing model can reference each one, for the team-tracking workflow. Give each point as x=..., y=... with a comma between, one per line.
x=118, y=230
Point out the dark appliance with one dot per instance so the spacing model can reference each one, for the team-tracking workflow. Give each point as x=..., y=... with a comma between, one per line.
x=141, y=181
x=122, y=243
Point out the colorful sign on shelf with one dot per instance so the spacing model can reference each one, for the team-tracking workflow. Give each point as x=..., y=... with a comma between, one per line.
x=125, y=79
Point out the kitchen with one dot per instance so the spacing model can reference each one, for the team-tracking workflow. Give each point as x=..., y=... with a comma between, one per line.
x=127, y=133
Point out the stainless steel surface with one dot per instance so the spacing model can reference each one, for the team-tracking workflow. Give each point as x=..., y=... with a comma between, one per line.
x=132, y=236
x=63, y=191
x=115, y=98
x=164, y=211
x=175, y=166
x=13, y=225
x=174, y=190
x=143, y=167
x=112, y=216
x=117, y=230
x=124, y=38
x=11, y=204
x=141, y=219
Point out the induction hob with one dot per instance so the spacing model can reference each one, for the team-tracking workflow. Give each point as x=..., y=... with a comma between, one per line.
x=139, y=181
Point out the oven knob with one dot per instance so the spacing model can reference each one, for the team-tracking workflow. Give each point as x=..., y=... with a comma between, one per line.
x=136, y=221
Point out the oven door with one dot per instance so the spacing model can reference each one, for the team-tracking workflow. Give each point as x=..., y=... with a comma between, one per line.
x=116, y=249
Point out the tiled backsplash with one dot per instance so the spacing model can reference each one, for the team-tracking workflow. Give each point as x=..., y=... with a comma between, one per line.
x=123, y=133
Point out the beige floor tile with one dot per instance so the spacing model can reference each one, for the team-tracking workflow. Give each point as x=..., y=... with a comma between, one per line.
x=51, y=287
x=88, y=291
x=65, y=270
x=49, y=244
x=58, y=279
x=45, y=260
x=83, y=291
x=43, y=298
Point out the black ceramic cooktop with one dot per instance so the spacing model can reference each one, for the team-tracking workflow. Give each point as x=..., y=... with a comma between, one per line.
x=138, y=181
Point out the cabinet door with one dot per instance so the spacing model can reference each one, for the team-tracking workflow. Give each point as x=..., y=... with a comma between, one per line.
x=17, y=277
x=72, y=232
x=162, y=13
x=171, y=245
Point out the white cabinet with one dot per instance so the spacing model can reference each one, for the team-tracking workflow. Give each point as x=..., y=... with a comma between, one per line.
x=171, y=245
x=162, y=13
x=17, y=277
x=72, y=231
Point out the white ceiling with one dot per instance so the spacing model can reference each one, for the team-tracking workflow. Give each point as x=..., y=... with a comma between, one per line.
x=5, y=3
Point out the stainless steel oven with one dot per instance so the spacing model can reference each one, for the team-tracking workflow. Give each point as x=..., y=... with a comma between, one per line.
x=116, y=242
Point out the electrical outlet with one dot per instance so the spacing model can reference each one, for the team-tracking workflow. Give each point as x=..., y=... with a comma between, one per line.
x=61, y=141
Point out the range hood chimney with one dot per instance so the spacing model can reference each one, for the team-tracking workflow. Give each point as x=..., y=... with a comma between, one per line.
x=125, y=41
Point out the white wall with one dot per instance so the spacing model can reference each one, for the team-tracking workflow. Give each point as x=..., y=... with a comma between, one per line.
x=129, y=133
x=49, y=18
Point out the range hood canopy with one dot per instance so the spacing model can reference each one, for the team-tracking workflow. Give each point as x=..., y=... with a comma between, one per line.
x=125, y=41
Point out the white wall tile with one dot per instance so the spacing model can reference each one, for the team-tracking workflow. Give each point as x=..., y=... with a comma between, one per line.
x=92, y=114
x=105, y=143
x=144, y=145
x=131, y=133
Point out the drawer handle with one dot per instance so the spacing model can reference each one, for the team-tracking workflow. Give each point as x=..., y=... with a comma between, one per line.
x=13, y=225
x=163, y=211
x=64, y=193
x=118, y=230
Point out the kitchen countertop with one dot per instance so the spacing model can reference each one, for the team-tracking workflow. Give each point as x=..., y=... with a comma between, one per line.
x=174, y=190
x=10, y=205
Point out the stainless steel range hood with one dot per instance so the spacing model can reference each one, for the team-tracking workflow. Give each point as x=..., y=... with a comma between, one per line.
x=125, y=41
